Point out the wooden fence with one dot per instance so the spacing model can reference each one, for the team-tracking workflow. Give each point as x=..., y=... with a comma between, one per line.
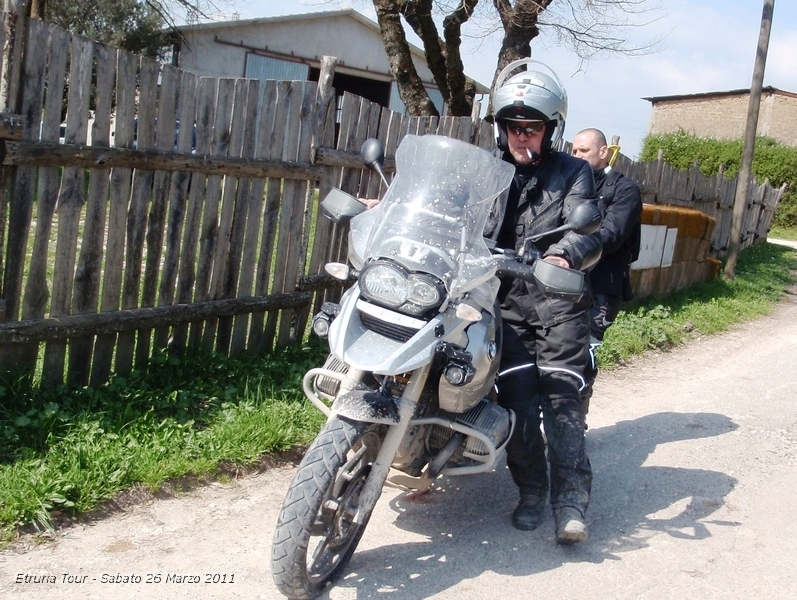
x=713, y=195
x=182, y=211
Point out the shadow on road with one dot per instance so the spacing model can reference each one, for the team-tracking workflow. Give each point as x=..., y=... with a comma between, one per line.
x=468, y=531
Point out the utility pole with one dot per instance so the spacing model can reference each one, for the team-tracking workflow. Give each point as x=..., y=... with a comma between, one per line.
x=740, y=200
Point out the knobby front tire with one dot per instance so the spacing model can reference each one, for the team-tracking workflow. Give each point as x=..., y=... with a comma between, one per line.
x=315, y=537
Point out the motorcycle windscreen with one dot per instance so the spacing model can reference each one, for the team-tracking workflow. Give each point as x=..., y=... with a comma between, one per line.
x=433, y=215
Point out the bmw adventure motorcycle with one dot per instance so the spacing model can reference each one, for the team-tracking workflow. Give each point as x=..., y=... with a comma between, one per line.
x=415, y=346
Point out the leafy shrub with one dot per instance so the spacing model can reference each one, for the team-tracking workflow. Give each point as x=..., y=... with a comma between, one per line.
x=771, y=160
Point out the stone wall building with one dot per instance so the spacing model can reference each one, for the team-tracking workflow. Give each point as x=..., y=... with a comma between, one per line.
x=722, y=115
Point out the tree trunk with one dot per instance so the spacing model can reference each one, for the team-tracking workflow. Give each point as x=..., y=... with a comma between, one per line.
x=461, y=92
x=410, y=85
x=520, y=27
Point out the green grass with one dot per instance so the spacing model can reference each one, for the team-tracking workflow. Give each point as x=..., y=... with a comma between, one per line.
x=71, y=450
x=783, y=233
x=763, y=273
x=68, y=451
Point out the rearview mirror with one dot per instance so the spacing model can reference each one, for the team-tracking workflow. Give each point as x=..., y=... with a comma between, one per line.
x=584, y=219
x=340, y=207
x=373, y=155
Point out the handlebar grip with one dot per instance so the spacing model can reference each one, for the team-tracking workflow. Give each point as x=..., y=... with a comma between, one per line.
x=513, y=268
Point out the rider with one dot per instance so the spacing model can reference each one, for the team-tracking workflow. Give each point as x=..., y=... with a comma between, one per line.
x=545, y=340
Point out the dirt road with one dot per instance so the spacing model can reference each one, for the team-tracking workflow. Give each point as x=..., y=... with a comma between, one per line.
x=695, y=460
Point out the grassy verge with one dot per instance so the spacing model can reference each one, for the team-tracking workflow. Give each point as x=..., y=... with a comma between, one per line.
x=783, y=233
x=763, y=273
x=68, y=451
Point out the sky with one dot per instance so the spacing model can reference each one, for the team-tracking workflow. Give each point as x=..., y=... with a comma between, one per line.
x=703, y=46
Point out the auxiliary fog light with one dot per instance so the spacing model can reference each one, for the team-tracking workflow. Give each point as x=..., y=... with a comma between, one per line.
x=321, y=323
x=323, y=319
x=457, y=374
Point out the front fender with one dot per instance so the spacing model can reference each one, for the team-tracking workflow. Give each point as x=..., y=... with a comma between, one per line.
x=367, y=406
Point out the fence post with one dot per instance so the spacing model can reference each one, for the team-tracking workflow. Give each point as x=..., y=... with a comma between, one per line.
x=13, y=53
x=14, y=43
x=324, y=93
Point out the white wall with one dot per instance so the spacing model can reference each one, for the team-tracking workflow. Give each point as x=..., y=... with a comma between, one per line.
x=357, y=46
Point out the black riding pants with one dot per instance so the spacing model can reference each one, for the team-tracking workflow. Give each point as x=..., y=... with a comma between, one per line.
x=542, y=372
x=602, y=314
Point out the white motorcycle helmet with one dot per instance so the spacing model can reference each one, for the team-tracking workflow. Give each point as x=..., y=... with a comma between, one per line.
x=529, y=96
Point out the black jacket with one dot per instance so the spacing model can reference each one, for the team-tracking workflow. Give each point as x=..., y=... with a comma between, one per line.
x=619, y=233
x=539, y=199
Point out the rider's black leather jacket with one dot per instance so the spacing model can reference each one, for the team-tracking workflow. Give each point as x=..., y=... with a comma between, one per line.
x=544, y=196
x=539, y=199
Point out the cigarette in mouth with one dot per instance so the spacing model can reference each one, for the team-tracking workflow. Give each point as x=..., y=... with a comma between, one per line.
x=529, y=153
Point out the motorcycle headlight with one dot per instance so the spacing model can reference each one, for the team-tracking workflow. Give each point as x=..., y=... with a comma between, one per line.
x=391, y=286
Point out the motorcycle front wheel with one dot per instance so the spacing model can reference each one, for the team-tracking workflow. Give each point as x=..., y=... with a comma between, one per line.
x=315, y=535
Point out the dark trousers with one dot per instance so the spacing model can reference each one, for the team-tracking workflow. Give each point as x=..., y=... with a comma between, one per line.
x=542, y=373
x=602, y=314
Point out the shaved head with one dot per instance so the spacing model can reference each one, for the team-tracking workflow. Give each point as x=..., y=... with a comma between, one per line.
x=590, y=145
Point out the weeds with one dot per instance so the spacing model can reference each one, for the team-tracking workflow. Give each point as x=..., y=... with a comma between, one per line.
x=763, y=274
x=69, y=450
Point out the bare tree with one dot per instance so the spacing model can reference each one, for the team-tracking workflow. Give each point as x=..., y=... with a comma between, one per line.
x=588, y=27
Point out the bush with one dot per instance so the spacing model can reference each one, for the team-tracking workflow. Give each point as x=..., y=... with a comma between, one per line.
x=771, y=160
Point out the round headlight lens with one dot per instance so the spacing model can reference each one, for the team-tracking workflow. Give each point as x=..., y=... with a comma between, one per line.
x=423, y=292
x=385, y=284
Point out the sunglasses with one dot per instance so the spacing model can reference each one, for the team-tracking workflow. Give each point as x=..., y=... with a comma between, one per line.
x=527, y=129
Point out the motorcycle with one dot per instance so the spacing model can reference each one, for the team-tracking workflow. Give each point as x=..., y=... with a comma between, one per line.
x=415, y=345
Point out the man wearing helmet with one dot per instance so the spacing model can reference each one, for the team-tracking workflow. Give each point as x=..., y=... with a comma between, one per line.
x=545, y=340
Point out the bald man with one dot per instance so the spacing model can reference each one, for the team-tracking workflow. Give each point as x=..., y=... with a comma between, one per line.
x=619, y=233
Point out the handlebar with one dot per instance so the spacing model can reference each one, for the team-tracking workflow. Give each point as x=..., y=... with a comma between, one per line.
x=509, y=266
x=554, y=281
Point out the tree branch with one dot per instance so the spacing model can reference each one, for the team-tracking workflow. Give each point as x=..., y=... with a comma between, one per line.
x=410, y=85
x=460, y=99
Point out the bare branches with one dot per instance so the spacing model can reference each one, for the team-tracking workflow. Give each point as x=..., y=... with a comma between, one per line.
x=588, y=27
x=593, y=27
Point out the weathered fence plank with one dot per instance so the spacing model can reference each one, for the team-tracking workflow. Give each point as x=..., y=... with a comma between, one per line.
x=229, y=284
x=275, y=124
x=144, y=131
x=208, y=234
x=37, y=291
x=212, y=337
x=291, y=197
x=20, y=205
x=178, y=192
x=298, y=224
x=205, y=116
x=121, y=179
x=112, y=322
x=88, y=271
x=164, y=141
x=70, y=202
x=269, y=283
